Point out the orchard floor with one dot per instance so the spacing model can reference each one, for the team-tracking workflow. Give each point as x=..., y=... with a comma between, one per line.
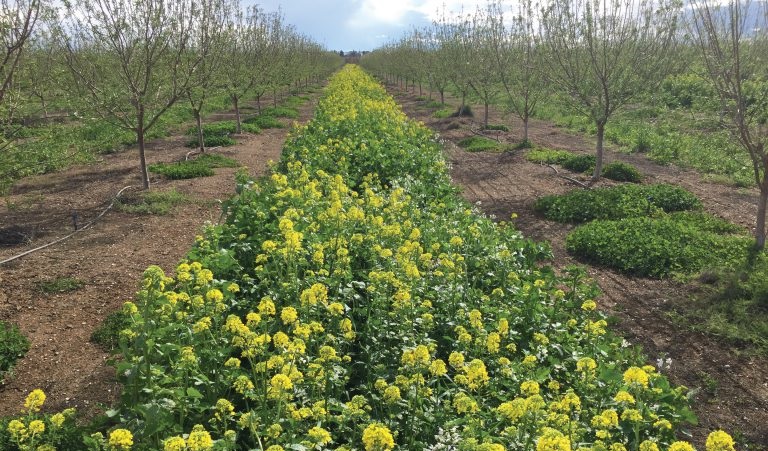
x=108, y=258
x=731, y=390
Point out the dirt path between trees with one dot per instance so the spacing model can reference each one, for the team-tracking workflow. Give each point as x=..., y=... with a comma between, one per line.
x=108, y=258
x=730, y=391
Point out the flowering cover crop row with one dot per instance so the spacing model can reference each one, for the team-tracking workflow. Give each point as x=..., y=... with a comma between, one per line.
x=352, y=301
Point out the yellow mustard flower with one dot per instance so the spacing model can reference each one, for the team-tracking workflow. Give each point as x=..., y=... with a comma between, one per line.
x=720, y=441
x=175, y=444
x=635, y=375
x=319, y=435
x=34, y=400
x=392, y=394
x=199, y=439
x=377, y=437
x=120, y=439
x=648, y=445
x=553, y=440
x=681, y=446
x=529, y=388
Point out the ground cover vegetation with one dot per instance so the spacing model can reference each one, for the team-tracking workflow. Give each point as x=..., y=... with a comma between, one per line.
x=341, y=307
x=200, y=166
x=619, y=171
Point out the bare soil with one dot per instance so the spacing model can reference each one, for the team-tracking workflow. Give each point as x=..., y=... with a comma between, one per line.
x=730, y=389
x=108, y=257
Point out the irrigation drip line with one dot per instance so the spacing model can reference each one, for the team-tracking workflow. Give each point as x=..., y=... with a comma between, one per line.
x=196, y=151
x=572, y=180
x=480, y=133
x=87, y=225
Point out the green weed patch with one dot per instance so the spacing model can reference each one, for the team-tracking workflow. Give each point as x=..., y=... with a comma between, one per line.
x=13, y=346
x=617, y=202
x=659, y=246
x=622, y=172
x=479, y=144
x=152, y=202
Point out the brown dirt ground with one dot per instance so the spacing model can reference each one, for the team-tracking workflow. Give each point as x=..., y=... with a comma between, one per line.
x=109, y=258
x=506, y=183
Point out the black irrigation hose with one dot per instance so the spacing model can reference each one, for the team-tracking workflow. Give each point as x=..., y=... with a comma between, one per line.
x=557, y=173
x=90, y=223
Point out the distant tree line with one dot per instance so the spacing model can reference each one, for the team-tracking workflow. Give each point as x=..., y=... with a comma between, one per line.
x=128, y=62
x=600, y=56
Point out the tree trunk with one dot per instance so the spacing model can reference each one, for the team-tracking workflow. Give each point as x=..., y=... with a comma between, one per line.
x=258, y=103
x=599, y=154
x=525, y=129
x=420, y=91
x=200, y=137
x=236, y=105
x=142, y=151
x=761, y=207
x=442, y=97
x=274, y=97
x=485, y=117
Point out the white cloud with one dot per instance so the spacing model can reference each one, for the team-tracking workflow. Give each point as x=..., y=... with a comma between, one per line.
x=395, y=12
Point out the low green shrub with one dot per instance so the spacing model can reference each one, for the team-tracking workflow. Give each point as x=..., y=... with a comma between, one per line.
x=499, y=127
x=214, y=128
x=181, y=170
x=579, y=163
x=657, y=246
x=434, y=104
x=152, y=202
x=524, y=144
x=622, y=172
x=213, y=141
x=13, y=346
x=478, y=144
x=442, y=113
x=107, y=335
x=463, y=111
x=548, y=156
x=60, y=285
x=217, y=134
x=616, y=202
x=216, y=160
x=264, y=121
x=295, y=101
x=202, y=166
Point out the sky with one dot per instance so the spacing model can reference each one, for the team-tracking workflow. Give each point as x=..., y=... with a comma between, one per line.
x=361, y=24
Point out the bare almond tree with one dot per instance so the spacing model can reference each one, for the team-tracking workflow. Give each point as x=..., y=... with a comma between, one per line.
x=17, y=20
x=130, y=58
x=733, y=40
x=483, y=74
x=452, y=32
x=517, y=59
x=207, y=47
x=247, y=57
x=602, y=54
